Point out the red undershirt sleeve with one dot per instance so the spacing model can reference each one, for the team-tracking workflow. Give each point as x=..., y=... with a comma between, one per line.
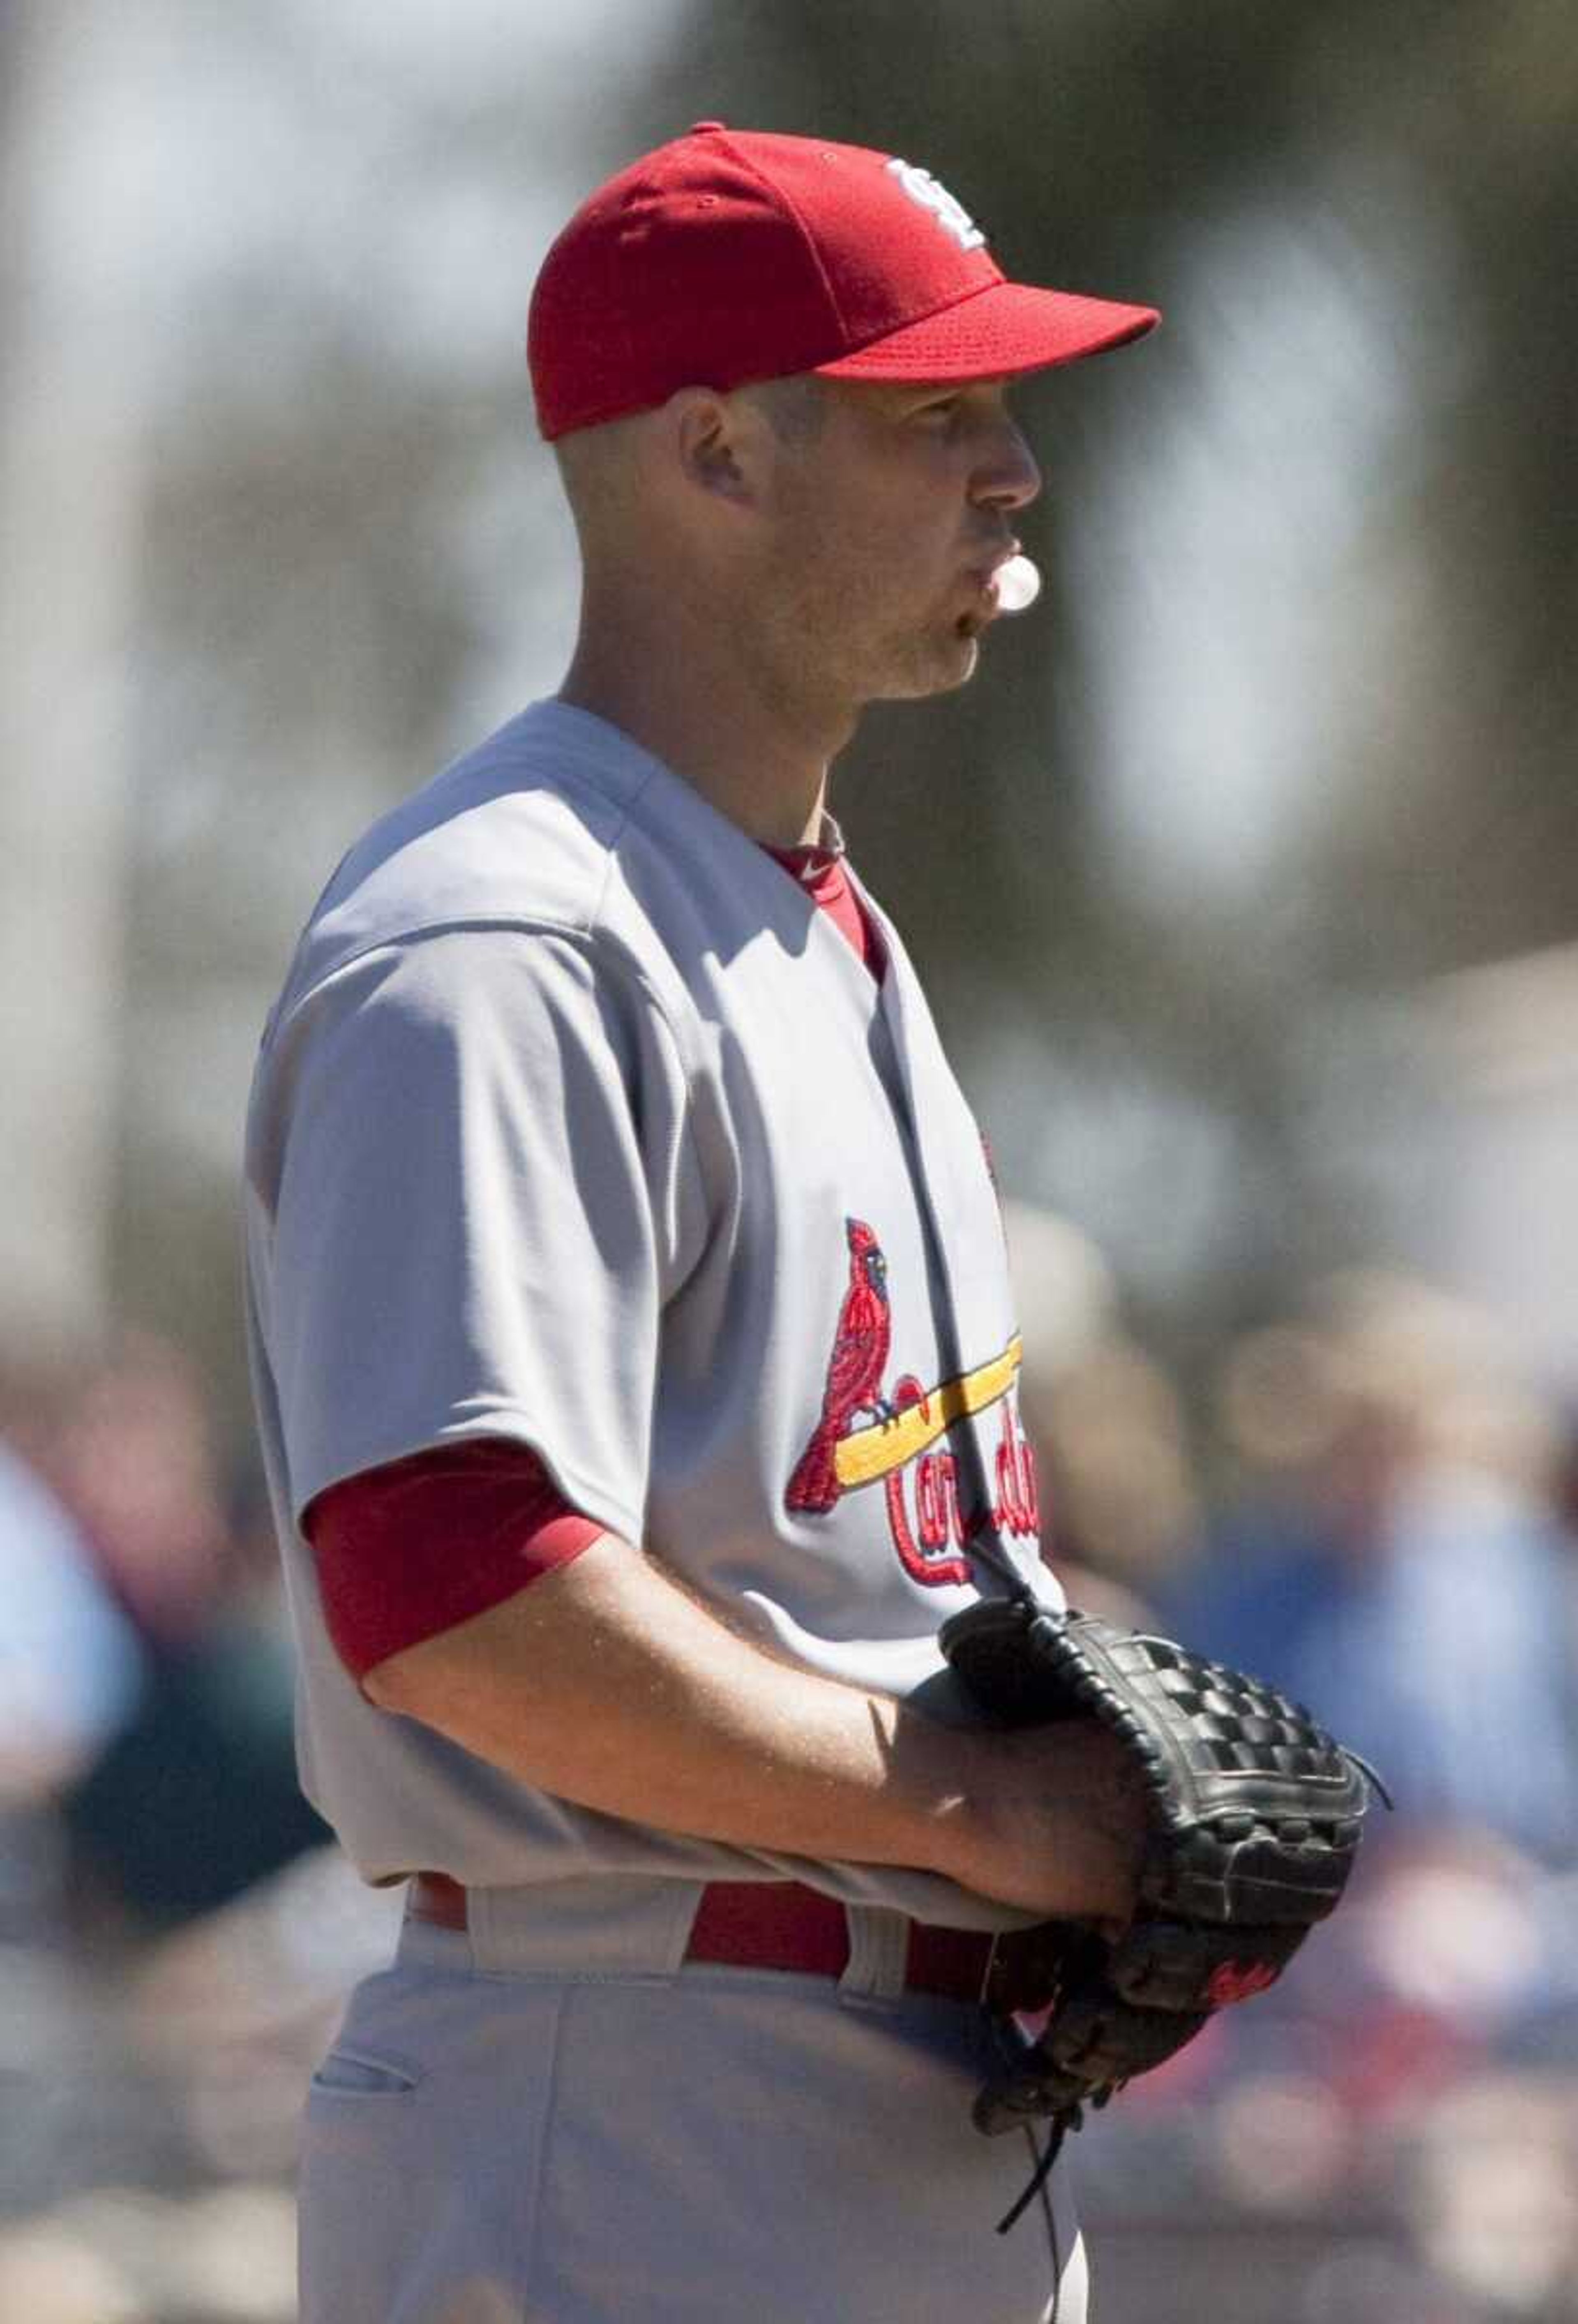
x=405, y=1551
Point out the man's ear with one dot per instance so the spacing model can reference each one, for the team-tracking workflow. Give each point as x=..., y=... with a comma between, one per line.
x=716, y=442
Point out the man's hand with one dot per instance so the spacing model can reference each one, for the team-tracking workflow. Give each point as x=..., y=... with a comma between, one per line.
x=1054, y=1821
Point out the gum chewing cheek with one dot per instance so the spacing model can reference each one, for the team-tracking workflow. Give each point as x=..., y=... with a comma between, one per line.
x=1018, y=585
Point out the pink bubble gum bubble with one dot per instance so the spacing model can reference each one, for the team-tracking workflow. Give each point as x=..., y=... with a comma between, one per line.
x=1019, y=585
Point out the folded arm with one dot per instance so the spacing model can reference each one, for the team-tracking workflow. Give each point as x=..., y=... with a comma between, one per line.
x=608, y=1685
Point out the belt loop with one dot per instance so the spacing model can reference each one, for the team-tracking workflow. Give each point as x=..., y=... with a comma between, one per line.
x=879, y=1952
x=592, y=1928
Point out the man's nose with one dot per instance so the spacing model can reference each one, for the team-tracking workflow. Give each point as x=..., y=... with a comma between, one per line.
x=1009, y=477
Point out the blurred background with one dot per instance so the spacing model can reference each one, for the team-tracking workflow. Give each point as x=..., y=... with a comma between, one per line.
x=1244, y=878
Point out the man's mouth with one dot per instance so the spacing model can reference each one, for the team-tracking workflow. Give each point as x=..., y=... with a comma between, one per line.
x=983, y=608
x=981, y=578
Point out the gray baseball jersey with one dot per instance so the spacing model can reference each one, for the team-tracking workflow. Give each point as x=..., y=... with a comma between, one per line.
x=577, y=1123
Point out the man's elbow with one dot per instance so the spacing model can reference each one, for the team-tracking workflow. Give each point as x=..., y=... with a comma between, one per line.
x=414, y=1679
x=452, y=1672
x=386, y=1685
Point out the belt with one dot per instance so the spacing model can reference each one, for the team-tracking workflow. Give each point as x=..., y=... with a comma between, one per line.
x=774, y=1924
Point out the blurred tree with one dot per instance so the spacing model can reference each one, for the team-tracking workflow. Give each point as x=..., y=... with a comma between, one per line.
x=71, y=503
x=352, y=555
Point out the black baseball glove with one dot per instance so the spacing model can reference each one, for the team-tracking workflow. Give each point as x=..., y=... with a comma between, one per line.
x=1255, y=1817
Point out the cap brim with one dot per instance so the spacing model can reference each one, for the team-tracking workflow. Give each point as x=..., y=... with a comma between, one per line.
x=998, y=332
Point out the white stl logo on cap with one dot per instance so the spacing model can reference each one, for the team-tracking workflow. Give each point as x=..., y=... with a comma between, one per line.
x=922, y=187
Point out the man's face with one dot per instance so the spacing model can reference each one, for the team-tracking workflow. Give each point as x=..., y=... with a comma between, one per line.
x=885, y=526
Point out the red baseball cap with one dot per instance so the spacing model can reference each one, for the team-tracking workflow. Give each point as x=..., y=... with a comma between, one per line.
x=734, y=254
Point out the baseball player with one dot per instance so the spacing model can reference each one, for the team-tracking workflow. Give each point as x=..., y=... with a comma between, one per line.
x=635, y=1354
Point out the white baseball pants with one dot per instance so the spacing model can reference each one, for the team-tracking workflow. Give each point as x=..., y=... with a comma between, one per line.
x=520, y=2124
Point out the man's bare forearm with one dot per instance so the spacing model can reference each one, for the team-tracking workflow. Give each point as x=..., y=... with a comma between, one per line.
x=606, y=1683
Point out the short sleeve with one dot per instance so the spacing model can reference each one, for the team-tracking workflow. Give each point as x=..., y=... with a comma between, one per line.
x=471, y=1162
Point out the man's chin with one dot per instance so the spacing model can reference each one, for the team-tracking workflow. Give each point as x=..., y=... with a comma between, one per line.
x=959, y=658
x=972, y=662
x=943, y=671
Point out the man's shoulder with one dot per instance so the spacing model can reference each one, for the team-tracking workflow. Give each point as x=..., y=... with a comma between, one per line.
x=518, y=832
x=519, y=828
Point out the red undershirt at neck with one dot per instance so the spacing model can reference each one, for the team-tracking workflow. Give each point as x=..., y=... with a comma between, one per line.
x=820, y=872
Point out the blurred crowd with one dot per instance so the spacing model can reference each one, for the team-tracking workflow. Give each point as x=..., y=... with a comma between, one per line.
x=1370, y=1503
x=176, y=1931
x=147, y=1685
x=1374, y=1504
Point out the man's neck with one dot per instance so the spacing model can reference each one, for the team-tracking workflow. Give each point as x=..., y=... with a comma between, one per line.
x=756, y=761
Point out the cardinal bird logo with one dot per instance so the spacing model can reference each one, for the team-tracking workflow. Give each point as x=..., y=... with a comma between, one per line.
x=855, y=1371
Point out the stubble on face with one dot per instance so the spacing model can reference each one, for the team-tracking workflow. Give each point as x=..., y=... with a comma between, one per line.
x=866, y=597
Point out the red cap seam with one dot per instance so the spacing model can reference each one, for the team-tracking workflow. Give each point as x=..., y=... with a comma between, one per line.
x=789, y=210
